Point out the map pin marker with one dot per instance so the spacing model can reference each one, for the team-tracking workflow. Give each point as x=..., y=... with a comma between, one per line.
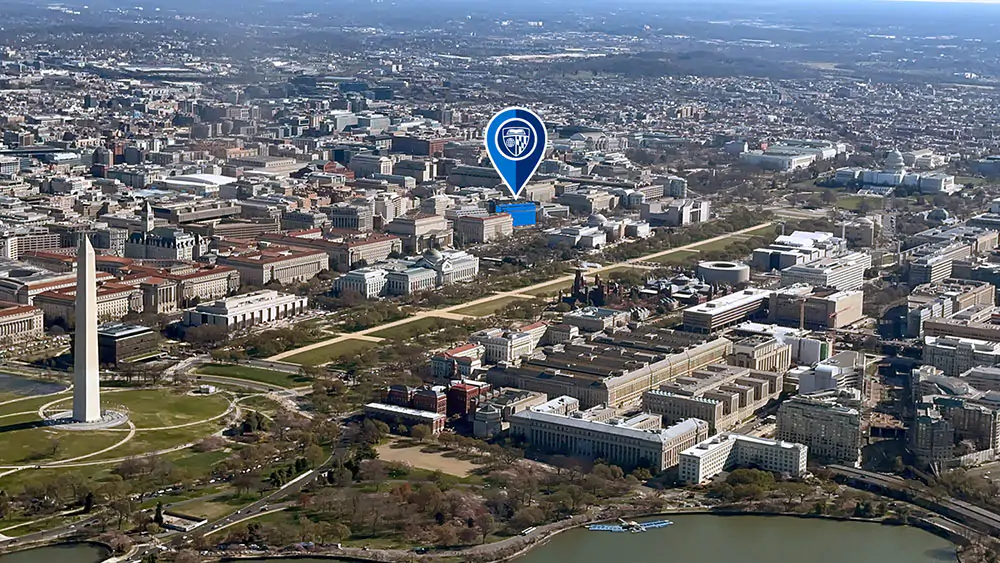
x=515, y=140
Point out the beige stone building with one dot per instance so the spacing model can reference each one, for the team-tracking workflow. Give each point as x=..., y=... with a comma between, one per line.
x=114, y=301
x=762, y=353
x=20, y=323
x=721, y=395
x=559, y=426
x=284, y=265
x=613, y=371
x=474, y=230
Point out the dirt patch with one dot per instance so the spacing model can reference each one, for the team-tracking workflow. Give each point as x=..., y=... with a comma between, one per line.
x=425, y=460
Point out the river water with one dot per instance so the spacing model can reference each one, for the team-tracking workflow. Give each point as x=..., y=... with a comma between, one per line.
x=65, y=553
x=705, y=538
x=698, y=538
x=27, y=386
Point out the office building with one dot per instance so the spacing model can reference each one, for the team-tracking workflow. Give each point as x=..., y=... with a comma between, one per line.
x=932, y=263
x=596, y=319
x=728, y=451
x=351, y=217
x=943, y=300
x=828, y=423
x=726, y=311
x=964, y=325
x=113, y=301
x=560, y=426
x=612, y=370
x=392, y=414
x=193, y=282
x=817, y=308
x=806, y=346
x=721, y=395
x=761, y=353
x=800, y=247
x=860, y=233
x=957, y=355
x=843, y=370
x=493, y=416
x=844, y=272
x=365, y=165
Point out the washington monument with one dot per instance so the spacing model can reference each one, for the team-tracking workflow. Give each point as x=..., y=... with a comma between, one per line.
x=86, y=374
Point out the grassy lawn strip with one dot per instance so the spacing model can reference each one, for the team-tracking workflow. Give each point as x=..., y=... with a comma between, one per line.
x=413, y=328
x=29, y=404
x=271, y=377
x=550, y=289
x=489, y=307
x=215, y=507
x=675, y=258
x=330, y=352
x=853, y=202
x=261, y=404
x=720, y=244
x=155, y=440
x=20, y=442
x=762, y=231
x=152, y=408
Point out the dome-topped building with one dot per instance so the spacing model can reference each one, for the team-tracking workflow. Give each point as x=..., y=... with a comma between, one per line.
x=894, y=161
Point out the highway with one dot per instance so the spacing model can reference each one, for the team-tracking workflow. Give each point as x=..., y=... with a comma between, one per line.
x=979, y=518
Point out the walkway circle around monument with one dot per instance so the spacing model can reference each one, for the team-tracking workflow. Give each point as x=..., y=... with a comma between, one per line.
x=732, y=273
x=63, y=420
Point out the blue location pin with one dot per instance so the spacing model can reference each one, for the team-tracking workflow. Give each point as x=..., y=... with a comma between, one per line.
x=515, y=141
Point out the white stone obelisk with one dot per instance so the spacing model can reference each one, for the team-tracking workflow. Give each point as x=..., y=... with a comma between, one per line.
x=86, y=374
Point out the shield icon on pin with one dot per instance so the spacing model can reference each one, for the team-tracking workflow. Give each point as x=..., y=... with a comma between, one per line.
x=516, y=140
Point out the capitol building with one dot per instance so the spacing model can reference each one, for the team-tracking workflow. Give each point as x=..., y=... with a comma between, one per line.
x=895, y=173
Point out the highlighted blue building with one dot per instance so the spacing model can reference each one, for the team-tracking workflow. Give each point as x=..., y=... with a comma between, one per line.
x=524, y=213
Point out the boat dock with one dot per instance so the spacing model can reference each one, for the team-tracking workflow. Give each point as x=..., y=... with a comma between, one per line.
x=633, y=527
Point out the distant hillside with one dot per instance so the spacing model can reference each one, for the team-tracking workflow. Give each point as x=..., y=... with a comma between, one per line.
x=694, y=63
